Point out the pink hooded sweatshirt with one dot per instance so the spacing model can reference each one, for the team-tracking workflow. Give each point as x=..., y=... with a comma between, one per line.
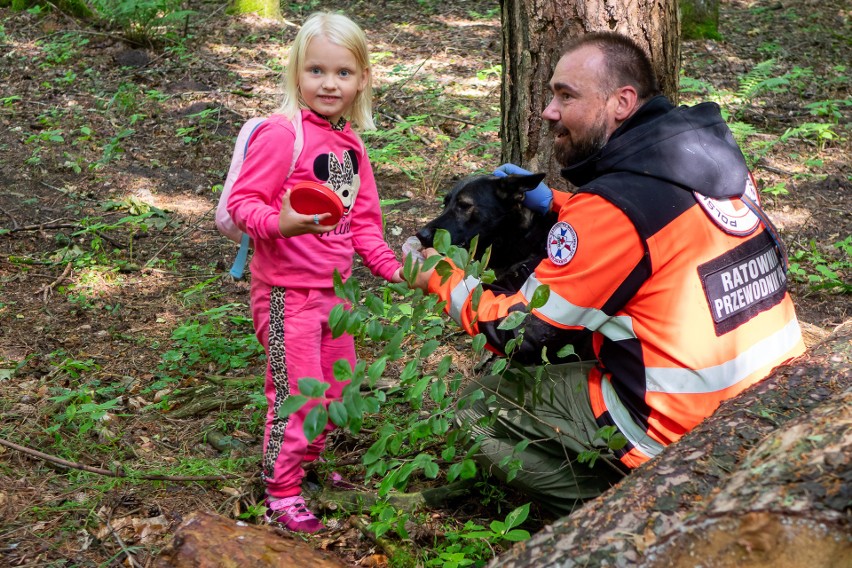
x=335, y=158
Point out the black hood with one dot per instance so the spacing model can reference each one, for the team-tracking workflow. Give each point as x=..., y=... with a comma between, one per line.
x=690, y=147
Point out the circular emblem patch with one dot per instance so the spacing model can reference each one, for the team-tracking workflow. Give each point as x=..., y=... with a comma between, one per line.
x=561, y=243
x=731, y=214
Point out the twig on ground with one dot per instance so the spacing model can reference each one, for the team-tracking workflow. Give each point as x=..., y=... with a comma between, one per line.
x=109, y=473
x=43, y=226
x=133, y=562
x=12, y=217
x=47, y=288
x=177, y=237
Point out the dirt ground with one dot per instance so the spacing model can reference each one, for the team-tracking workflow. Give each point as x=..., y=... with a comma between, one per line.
x=71, y=101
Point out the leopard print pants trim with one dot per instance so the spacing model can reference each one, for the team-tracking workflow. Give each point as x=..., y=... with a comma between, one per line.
x=278, y=366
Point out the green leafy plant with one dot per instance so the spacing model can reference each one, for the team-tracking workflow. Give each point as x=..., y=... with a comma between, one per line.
x=824, y=270
x=144, y=21
x=474, y=544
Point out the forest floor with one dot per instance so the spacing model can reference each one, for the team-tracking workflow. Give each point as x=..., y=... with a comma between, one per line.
x=109, y=258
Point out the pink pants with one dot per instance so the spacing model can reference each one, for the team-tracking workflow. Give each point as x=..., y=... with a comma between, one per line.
x=292, y=326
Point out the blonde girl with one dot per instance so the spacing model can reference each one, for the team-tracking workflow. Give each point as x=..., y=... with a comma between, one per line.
x=328, y=89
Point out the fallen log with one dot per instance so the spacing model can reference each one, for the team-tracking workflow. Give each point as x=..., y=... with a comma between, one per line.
x=208, y=540
x=765, y=481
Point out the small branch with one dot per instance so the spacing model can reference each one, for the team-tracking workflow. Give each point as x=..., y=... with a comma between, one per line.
x=109, y=473
x=774, y=170
x=457, y=119
x=132, y=559
x=44, y=226
x=12, y=217
x=46, y=289
x=178, y=236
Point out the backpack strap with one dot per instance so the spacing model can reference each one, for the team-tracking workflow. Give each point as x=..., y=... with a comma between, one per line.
x=239, y=266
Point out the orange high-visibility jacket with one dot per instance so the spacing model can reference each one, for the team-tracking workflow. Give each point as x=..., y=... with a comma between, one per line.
x=685, y=308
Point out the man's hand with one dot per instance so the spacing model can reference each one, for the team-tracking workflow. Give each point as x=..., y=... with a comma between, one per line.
x=291, y=223
x=422, y=279
x=537, y=199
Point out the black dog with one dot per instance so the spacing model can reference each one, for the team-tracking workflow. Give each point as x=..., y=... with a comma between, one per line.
x=492, y=207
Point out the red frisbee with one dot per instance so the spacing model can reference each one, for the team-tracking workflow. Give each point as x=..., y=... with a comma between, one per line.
x=311, y=198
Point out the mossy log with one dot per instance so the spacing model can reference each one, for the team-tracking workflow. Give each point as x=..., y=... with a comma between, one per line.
x=766, y=481
x=206, y=398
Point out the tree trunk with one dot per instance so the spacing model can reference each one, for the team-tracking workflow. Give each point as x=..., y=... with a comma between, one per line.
x=766, y=481
x=699, y=19
x=207, y=540
x=534, y=33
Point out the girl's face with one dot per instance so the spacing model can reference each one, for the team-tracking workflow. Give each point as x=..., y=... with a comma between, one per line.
x=330, y=78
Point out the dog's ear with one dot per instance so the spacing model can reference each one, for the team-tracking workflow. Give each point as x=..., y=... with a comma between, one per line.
x=513, y=186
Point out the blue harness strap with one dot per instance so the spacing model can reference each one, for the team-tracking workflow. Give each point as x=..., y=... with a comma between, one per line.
x=240, y=262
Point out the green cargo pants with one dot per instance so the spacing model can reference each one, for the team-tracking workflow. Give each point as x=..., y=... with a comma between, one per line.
x=555, y=416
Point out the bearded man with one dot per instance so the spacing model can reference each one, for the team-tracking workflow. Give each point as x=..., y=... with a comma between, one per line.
x=662, y=257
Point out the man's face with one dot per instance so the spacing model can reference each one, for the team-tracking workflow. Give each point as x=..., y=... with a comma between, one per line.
x=580, y=114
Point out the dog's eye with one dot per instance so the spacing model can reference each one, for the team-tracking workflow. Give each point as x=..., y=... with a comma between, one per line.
x=465, y=206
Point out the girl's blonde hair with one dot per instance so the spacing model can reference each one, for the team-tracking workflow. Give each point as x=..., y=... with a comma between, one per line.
x=338, y=29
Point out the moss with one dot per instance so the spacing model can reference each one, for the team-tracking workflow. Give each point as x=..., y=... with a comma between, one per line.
x=696, y=24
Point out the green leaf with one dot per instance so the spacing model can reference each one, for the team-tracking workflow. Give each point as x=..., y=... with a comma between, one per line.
x=517, y=535
x=518, y=516
x=479, y=342
x=540, y=297
x=498, y=366
x=375, y=330
x=337, y=413
x=449, y=453
x=337, y=281
x=291, y=404
x=376, y=451
x=513, y=320
x=566, y=351
x=376, y=370
x=315, y=422
x=337, y=320
x=312, y=388
x=429, y=348
x=440, y=426
x=588, y=456
x=617, y=442
x=441, y=241
x=444, y=269
x=415, y=394
x=374, y=304
x=438, y=390
x=341, y=371
x=459, y=256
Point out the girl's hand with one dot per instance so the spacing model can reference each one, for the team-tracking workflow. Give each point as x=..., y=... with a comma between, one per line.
x=291, y=223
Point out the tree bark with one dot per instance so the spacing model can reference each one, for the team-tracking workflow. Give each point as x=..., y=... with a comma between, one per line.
x=207, y=540
x=765, y=481
x=534, y=33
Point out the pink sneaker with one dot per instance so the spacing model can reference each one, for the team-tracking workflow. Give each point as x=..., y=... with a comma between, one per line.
x=292, y=513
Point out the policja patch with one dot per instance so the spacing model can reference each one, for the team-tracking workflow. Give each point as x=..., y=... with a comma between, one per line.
x=561, y=243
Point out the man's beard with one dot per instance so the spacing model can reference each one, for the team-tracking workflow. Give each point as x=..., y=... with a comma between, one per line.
x=569, y=151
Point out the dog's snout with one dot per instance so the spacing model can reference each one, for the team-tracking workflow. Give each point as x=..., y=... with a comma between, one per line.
x=426, y=235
